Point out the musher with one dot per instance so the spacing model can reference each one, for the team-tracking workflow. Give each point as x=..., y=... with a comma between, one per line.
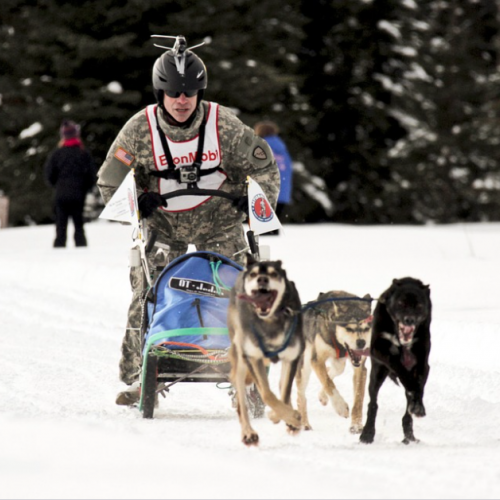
x=161, y=143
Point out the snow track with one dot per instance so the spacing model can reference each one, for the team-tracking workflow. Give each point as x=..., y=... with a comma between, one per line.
x=62, y=317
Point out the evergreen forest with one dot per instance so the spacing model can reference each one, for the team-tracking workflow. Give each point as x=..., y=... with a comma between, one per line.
x=390, y=108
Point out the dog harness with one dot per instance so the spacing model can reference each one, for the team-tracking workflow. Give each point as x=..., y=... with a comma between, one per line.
x=288, y=337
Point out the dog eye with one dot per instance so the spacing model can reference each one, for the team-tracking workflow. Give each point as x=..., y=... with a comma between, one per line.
x=253, y=274
x=273, y=274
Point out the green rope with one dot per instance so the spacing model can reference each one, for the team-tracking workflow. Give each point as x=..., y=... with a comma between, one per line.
x=168, y=334
x=215, y=274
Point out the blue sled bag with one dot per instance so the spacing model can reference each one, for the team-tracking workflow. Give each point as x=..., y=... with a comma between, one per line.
x=190, y=302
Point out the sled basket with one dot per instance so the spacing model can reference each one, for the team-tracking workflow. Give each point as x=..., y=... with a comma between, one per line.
x=187, y=339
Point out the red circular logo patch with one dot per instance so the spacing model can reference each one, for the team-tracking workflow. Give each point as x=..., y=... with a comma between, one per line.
x=261, y=208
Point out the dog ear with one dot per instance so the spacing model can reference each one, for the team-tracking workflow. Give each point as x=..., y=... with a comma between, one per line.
x=383, y=298
x=250, y=260
x=368, y=320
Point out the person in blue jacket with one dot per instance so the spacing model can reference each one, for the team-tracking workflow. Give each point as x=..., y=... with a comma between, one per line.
x=269, y=131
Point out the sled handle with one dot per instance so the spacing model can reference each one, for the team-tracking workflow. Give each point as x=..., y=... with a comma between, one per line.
x=252, y=240
x=200, y=192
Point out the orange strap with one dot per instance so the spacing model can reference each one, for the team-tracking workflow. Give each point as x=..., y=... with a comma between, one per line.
x=194, y=346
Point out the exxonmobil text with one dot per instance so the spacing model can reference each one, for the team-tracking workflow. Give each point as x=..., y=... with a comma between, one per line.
x=190, y=158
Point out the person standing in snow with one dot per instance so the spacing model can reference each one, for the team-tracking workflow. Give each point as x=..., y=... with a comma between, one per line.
x=71, y=170
x=182, y=133
x=269, y=131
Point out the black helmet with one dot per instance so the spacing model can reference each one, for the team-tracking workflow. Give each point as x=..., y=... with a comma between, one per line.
x=178, y=70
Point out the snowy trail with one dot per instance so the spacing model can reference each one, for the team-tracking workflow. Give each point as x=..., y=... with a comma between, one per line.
x=62, y=315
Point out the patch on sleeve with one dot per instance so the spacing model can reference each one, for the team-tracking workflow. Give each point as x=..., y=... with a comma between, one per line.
x=124, y=156
x=259, y=153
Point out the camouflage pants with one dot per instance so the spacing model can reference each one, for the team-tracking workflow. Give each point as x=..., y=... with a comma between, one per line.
x=209, y=230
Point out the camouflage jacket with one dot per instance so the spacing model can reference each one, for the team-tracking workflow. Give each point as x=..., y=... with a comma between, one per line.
x=242, y=154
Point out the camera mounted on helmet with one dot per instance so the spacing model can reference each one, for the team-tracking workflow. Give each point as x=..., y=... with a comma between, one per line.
x=178, y=71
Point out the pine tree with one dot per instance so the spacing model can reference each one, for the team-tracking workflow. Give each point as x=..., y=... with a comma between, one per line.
x=347, y=62
x=447, y=162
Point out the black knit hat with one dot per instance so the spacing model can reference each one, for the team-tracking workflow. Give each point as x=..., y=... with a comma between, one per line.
x=69, y=130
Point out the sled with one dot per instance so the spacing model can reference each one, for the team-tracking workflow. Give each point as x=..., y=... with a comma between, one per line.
x=186, y=339
x=184, y=326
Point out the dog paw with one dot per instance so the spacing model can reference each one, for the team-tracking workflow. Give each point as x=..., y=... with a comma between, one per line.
x=356, y=428
x=292, y=429
x=323, y=398
x=410, y=440
x=367, y=437
x=294, y=420
x=251, y=439
x=273, y=417
x=341, y=407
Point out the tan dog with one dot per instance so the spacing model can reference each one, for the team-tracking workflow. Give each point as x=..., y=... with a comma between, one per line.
x=264, y=326
x=335, y=330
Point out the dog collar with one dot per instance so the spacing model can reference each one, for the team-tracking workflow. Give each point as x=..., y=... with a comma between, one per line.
x=340, y=350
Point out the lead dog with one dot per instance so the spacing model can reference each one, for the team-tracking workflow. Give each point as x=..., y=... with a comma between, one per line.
x=265, y=325
x=337, y=327
x=401, y=342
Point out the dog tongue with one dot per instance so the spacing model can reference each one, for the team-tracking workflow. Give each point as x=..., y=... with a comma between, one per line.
x=407, y=330
x=362, y=352
x=357, y=354
x=263, y=300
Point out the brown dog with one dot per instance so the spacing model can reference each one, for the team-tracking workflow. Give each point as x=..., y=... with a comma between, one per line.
x=337, y=326
x=265, y=325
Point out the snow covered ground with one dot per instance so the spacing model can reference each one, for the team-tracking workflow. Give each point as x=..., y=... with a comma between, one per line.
x=61, y=435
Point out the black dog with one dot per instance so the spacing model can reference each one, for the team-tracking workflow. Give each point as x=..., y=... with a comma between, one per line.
x=400, y=346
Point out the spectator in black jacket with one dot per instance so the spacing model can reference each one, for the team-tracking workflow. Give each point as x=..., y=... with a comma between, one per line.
x=71, y=170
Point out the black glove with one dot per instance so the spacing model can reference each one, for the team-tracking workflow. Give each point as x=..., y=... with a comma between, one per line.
x=241, y=204
x=149, y=202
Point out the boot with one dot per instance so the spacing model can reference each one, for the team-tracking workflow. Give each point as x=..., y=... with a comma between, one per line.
x=130, y=396
x=80, y=240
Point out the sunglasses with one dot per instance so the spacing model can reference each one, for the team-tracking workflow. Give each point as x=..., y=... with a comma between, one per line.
x=174, y=94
